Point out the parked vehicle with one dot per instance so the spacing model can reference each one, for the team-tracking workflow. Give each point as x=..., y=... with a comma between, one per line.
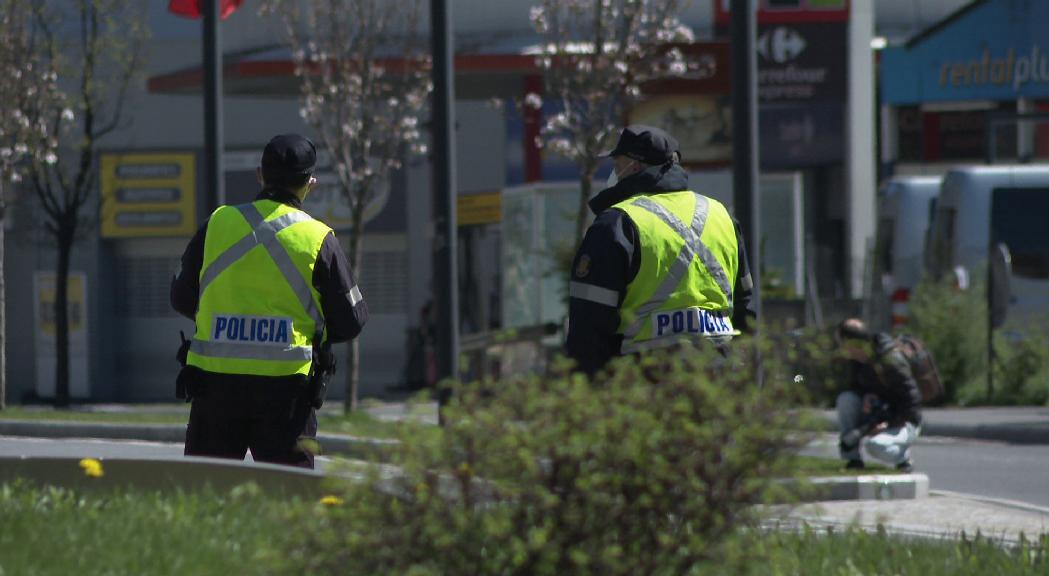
x=904, y=211
x=982, y=209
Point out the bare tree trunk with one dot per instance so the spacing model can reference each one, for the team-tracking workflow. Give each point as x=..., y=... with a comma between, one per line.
x=65, y=249
x=3, y=303
x=353, y=359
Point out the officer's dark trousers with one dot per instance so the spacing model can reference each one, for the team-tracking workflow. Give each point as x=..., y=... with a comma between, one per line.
x=268, y=416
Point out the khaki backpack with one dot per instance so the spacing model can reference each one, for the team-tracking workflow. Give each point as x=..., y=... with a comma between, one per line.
x=923, y=367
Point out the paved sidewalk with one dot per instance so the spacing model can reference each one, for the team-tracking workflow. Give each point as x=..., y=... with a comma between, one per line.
x=941, y=515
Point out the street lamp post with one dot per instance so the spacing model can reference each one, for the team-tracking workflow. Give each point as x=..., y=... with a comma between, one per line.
x=744, y=147
x=445, y=265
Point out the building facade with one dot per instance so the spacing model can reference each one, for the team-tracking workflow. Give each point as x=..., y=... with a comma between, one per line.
x=817, y=134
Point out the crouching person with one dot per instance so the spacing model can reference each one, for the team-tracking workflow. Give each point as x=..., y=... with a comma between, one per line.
x=882, y=406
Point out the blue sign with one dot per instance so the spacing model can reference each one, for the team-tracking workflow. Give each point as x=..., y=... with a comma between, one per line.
x=988, y=50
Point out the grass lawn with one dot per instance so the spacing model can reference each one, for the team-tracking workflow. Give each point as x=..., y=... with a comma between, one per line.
x=53, y=531
x=169, y=414
x=813, y=466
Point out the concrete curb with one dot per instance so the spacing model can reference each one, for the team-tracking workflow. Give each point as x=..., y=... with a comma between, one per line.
x=870, y=487
x=194, y=474
x=375, y=449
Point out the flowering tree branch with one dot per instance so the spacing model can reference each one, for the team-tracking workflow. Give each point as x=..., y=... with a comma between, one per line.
x=95, y=68
x=365, y=81
x=29, y=90
x=596, y=55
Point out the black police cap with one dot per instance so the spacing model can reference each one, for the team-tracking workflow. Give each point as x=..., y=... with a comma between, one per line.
x=646, y=144
x=289, y=155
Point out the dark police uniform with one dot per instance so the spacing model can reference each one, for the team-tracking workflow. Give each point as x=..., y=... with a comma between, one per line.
x=621, y=303
x=243, y=283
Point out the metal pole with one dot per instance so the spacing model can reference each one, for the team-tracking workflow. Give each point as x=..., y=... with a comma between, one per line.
x=214, y=182
x=445, y=265
x=990, y=323
x=744, y=145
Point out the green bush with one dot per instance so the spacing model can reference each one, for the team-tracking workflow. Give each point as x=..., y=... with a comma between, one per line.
x=650, y=469
x=810, y=354
x=1021, y=366
x=953, y=324
x=1021, y=369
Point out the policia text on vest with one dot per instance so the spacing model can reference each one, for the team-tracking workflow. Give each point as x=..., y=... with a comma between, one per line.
x=251, y=329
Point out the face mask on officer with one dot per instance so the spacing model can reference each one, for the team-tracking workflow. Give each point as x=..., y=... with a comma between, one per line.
x=614, y=175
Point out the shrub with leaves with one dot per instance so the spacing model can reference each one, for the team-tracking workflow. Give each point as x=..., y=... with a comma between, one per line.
x=1021, y=369
x=650, y=469
x=953, y=324
x=808, y=356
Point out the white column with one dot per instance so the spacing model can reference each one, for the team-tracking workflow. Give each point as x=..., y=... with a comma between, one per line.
x=860, y=170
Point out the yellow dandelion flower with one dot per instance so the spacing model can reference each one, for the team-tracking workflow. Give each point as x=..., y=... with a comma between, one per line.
x=331, y=500
x=91, y=467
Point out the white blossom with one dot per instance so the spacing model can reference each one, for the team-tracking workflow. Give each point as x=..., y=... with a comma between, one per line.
x=683, y=33
x=533, y=101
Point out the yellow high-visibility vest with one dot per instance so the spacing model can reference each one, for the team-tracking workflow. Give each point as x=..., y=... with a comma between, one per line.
x=689, y=263
x=259, y=312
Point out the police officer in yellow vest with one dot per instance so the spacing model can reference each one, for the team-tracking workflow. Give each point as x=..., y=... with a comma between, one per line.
x=659, y=265
x=266, y=285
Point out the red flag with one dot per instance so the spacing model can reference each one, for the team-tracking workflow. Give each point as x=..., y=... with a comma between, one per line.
x=191, y=8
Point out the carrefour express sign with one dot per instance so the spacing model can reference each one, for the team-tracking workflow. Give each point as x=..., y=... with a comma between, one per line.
x=990, y=50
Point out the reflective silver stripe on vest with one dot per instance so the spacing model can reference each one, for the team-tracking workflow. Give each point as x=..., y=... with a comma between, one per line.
x=266, y=234
x=747, y=282
x=355, y=296
x=693, y=247
x=238, y=350
x=678, y=339
x=593, y=293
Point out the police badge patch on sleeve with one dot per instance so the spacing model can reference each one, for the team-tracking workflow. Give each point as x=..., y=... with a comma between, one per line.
x=582, y=268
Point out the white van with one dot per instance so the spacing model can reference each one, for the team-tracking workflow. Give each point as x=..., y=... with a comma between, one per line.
x=905, y=208
x=982, y=206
